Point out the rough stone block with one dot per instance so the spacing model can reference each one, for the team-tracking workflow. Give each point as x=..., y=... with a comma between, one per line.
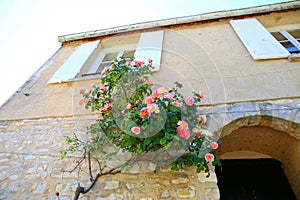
x=111, y=185
x=188, y=192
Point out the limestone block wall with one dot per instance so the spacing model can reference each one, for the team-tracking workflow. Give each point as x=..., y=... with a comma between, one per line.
x=31, y=168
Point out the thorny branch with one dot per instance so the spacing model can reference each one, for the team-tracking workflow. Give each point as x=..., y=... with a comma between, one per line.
x=78, y=163
x=86, y=189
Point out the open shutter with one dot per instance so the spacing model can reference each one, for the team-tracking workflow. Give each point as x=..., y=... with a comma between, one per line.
x=73, y=64
x=96, y=63
x=150, y=46
x=258, y=41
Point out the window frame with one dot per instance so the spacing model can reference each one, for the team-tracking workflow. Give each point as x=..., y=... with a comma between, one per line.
x=94, y=68
x=288, y=37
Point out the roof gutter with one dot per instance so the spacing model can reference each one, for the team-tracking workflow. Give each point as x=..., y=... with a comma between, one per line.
x=180, y=20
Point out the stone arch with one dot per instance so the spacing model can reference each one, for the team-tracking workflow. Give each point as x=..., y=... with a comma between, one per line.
x=264, y=137
x=291, y=128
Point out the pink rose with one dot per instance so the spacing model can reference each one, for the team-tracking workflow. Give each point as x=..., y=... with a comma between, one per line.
x=180, y=130
x=144, y=112
x=81, y=102
x=137, y=102
x=155, y=94
x=209, y=157
x=214, y=145
x=81, y=91
x=183, y=132
x=138, y=63
x=86, y=100
x=176, y=104
x=186, y=134
x=93, y=85
x=103, y=89
x=149, y=100
x=183, y=124
x=129, y=106
x=169, y=96
x=128, y=63
x=189, y=101
x=161, y=90
x=136, y=130
x=150, y=82
x=104, y=71
x=201, y=94
x=153, y=108
x=106, y=107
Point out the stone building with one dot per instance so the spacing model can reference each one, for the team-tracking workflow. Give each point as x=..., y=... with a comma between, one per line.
x=247, y=63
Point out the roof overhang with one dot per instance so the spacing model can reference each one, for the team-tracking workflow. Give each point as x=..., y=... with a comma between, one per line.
x=180, y=21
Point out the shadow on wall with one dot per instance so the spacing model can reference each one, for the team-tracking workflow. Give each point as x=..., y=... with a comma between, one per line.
x=262, y=141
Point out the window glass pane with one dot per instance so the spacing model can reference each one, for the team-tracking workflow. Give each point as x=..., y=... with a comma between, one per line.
x=110, y=56
x=128, y=54
x=107, y=60
x=278, y=36
x=103, y=65
x=295, y=33
x=285, y=42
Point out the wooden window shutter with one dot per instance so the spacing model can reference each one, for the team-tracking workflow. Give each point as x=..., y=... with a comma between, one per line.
x=73, y=64
x=258, y=41
x=150, y=46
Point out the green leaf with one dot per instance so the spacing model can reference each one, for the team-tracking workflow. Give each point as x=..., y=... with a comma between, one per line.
x=163, y=141
x=63, y=155
x=147, y=141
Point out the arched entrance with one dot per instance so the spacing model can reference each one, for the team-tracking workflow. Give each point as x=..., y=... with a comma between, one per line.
x=262, y=145
x=253, y=179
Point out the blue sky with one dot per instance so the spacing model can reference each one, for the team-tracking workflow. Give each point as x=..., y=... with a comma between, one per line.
x=29, y=29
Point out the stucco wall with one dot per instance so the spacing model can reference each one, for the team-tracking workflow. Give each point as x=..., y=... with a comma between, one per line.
x=207, y=57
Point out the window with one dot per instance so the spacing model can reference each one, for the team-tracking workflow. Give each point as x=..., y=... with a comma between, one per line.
x=259, y=41
x=105, y=58
x=290, y=39
x=90, y=58
x=73, y=64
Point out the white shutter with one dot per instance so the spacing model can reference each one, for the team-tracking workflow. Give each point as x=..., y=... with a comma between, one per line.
x=96, y=63
x=258, y=41
x=73, y=64
x=150, y=46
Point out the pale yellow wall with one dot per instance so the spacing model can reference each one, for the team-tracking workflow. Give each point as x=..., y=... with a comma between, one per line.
x=208, y=57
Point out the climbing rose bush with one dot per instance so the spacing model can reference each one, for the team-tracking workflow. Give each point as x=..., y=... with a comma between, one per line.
x=157, y=123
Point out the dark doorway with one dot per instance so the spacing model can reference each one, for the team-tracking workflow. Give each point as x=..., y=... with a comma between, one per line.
x=261, y=179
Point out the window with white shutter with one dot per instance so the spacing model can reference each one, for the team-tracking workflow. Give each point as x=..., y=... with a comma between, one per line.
x=106, y=57
x=150, y=46
x=259, y=41
x=73, y=64
x=88, y=62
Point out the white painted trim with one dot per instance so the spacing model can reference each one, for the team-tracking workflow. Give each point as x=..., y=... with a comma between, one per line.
x=258, y=41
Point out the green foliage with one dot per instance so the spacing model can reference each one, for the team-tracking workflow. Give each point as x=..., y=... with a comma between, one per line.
x=143, y=121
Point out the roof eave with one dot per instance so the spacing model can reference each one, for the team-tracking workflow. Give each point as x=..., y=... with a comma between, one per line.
x=180, y=20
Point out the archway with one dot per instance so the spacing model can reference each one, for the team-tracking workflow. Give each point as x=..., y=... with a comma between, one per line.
x=261, y=141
